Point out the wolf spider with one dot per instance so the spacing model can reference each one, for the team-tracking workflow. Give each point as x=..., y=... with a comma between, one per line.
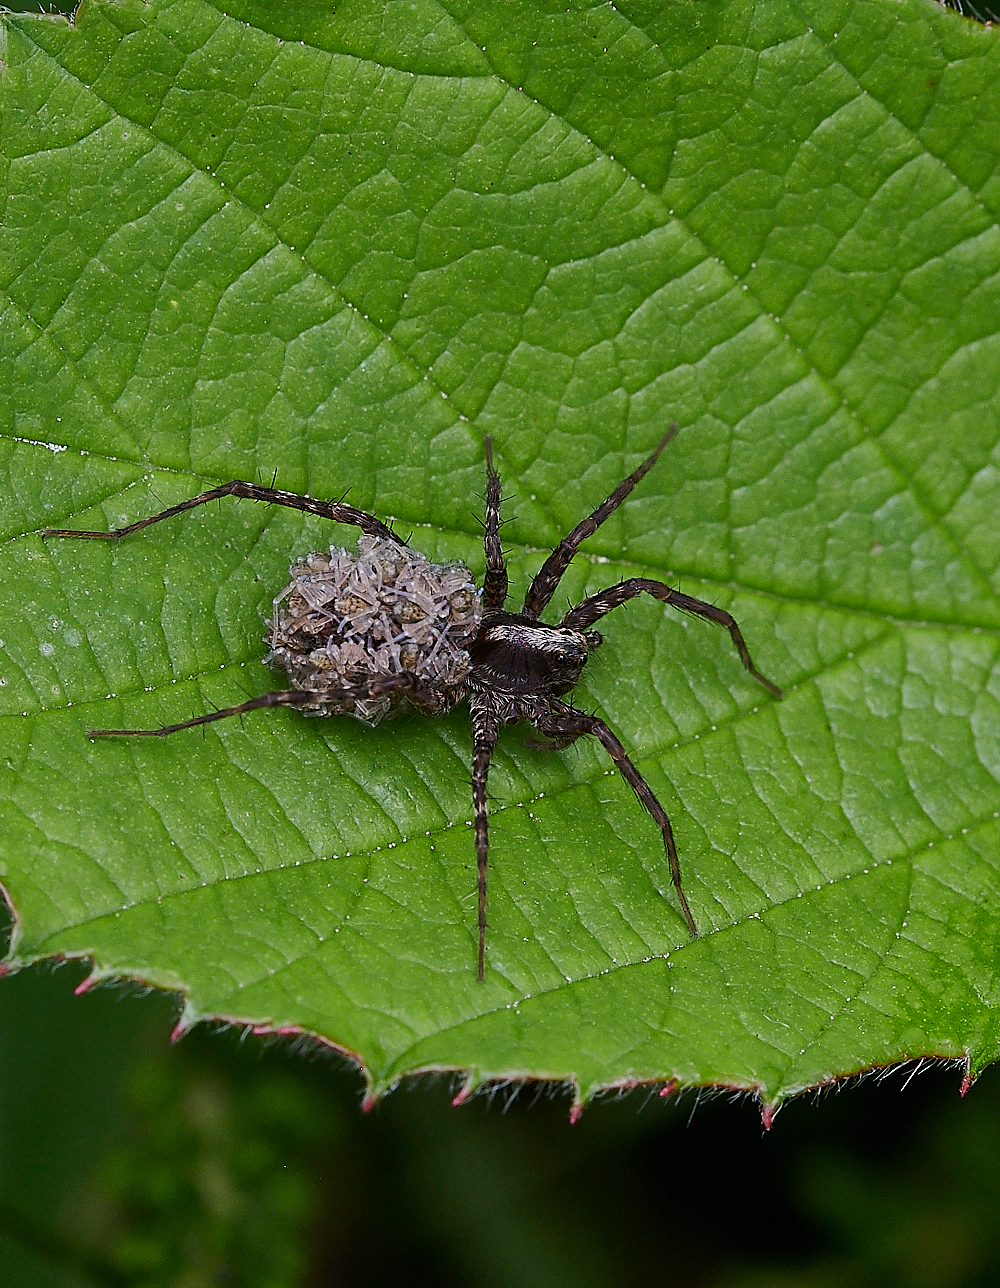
x=385, y=630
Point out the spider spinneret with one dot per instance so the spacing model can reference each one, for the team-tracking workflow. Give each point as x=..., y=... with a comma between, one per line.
x=382, y=630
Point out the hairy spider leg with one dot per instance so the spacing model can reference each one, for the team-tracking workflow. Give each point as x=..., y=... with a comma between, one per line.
x=550, y=574
x=334, y=510
x=418, y=692
x=597, y=606
x=563, y=722
x=278, y=698
x=485, y=731
x=551, y=744
x=495, y=581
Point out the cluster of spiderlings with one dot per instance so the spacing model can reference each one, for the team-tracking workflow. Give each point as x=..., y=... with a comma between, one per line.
x=347, y=617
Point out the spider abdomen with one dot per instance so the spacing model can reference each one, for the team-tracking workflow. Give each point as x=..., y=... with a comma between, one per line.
x=383, y=610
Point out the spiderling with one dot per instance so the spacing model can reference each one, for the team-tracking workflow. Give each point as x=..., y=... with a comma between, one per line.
x=385, y=611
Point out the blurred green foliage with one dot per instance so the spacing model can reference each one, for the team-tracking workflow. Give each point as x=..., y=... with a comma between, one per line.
x=204, y=1192
x=198, y=1169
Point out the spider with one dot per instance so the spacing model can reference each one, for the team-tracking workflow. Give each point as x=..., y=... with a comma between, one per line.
x=371, y=634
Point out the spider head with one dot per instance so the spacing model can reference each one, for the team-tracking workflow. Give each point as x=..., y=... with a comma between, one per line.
x=515, y=654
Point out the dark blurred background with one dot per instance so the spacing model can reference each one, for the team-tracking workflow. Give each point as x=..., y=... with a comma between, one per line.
x=221, y=1161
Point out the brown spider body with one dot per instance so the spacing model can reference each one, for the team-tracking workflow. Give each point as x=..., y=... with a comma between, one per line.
x=513, y=655
x=375, y=632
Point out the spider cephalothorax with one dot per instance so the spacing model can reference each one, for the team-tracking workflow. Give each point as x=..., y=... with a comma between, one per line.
x=513, y=654
x=383, y=629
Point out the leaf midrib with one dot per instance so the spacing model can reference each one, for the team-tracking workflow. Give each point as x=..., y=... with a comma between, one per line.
x=622, y=564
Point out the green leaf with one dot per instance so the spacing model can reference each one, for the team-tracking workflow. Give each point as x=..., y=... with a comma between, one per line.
x=343, y=244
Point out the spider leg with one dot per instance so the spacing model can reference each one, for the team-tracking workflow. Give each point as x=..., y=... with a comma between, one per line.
x=427, y=700
x=278, y=698
x=495, y=582
x=551, y=744
x=334, y=510
x=419, y=693
x=563, y=722
x=549, y=575
x=590, y=610
x=485, y=731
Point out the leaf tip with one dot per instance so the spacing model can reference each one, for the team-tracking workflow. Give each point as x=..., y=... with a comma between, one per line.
x=669, y=1089
x=576, y=1112
x=188, y=1019
x=466, y=1091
